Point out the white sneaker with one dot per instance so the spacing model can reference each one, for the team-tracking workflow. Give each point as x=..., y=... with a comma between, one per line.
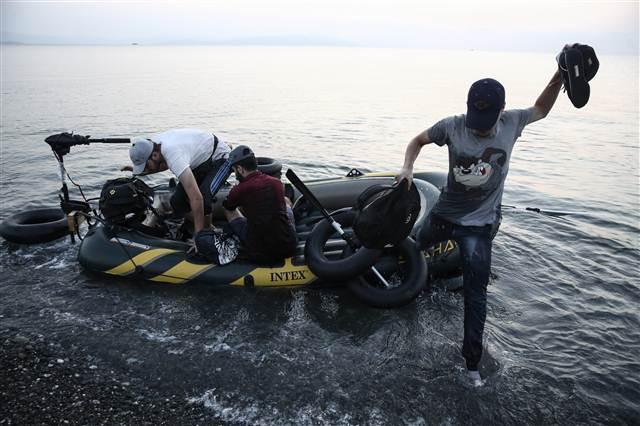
x=476, y=380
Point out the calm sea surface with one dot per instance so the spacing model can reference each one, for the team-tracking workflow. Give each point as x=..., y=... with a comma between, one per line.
x=563, y=328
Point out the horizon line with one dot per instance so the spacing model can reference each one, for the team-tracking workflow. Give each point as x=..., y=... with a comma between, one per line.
x=283, y=44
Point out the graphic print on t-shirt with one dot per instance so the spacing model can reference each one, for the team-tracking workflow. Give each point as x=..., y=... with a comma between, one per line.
x=481, y=174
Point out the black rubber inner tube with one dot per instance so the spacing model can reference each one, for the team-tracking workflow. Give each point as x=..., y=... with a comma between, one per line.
x=339, y=269
x=35, y=226
x=405, y=269
x=269, y=166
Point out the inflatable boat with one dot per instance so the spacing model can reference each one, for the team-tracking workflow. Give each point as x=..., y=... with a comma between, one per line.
x=122, y=251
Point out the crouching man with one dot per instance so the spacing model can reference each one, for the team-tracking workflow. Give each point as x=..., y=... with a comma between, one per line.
x=265, y=226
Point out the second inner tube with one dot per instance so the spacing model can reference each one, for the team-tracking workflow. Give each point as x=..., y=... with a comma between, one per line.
x=405, y=269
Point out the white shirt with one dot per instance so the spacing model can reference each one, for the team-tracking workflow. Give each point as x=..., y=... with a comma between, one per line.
x=188, y=148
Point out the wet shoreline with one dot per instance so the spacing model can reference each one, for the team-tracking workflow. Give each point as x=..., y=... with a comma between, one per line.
x=43, y=383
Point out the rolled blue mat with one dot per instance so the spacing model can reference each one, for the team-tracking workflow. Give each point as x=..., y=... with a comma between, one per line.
x=223, y=173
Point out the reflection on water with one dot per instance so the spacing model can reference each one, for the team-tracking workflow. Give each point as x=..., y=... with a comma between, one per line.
x=562, y=330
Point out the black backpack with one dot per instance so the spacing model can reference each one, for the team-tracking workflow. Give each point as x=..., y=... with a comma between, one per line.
x=125, y=200
x=386, y=214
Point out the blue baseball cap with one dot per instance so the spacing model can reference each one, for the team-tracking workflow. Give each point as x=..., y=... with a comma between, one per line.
x=484, y=103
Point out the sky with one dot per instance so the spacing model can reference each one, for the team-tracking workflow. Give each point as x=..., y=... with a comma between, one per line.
x=541, y=25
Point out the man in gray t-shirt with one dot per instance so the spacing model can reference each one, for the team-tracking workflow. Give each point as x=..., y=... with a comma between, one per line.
x=480, y=144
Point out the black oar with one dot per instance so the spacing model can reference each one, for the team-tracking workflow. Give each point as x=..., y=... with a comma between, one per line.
x=306, y=192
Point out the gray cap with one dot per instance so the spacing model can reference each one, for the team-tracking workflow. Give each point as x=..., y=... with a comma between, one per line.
x=139, y=153
x=239, y=153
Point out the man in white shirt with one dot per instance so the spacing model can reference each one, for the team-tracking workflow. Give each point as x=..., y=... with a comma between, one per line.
x=194, y=156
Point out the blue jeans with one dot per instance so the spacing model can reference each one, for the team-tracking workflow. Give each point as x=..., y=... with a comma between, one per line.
x=240, y=228
x=475, y=250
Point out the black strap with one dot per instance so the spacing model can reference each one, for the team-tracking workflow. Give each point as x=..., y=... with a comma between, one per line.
x=210, y=160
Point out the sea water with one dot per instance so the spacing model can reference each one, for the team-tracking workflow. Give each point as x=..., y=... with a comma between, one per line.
x=562, y=335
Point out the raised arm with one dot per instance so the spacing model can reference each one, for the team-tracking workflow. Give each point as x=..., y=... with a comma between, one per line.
x=410, y=156
x=547, y=98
